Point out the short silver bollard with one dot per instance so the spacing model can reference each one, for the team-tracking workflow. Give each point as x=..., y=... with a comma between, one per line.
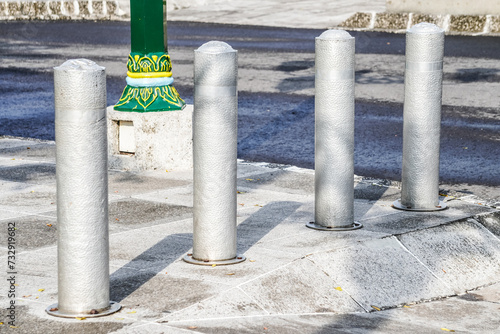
x=334, y=133
x=215, y=130
x=82, y=191
x=422, y=119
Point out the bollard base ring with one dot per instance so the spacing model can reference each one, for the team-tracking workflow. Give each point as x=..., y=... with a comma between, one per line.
x=189, y=259
x=113, y=308
x=315, y=226
x=397, y=205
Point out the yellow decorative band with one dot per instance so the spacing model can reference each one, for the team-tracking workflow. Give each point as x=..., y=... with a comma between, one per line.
x=141, y=75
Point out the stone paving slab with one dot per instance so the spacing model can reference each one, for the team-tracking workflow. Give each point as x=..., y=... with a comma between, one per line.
x=294, y=279
x=380, y=273
x=19, y=149
x=463, y=254
x=299, y=287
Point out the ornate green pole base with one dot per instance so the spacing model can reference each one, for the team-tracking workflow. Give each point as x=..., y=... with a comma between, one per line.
x=149, y=77
x=146, y=99
x=149, y=84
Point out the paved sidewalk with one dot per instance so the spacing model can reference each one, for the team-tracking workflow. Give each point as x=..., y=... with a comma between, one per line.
x=279, y=13
x=291, y=13
x=401, y=273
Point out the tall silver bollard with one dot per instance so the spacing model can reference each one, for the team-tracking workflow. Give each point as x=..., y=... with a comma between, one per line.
x=82, y=191
x=422, y=119
x=215, y=130
x=334, y=133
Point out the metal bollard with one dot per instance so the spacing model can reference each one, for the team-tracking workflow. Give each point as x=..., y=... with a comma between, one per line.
x=334, y=133
x=82, y=191
x=215, y=129
x=422, y=119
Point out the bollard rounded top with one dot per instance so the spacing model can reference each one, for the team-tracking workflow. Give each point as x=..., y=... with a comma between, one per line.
x=335, y=34
x=215, y=47
x=425, y=28
x=79, y=65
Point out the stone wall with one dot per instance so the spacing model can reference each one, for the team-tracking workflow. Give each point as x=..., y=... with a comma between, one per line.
x=81, y=9
x=453, y=7
x=63, y=10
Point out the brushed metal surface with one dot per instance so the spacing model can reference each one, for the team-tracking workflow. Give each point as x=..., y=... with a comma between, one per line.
x=334, y=130
x=215, y=130
x=422, y=117
x=82, y=187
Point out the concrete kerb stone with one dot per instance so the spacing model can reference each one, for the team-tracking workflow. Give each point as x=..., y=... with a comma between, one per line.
x=170, y=149
x=400, y=22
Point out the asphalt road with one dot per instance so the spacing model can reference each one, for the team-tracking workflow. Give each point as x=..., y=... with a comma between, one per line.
x=276, y=90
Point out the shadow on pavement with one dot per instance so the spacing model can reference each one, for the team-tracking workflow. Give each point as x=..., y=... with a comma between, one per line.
x=258, y=225
x=144, y=267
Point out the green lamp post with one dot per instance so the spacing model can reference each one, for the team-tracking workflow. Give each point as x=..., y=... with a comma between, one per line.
x=149, y=76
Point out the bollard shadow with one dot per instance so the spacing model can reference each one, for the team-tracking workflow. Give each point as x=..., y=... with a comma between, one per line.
x=476, y=74
x=130, y=277
x=147, y=265
x=43, y=173
x=258, y=225
x=370, y=193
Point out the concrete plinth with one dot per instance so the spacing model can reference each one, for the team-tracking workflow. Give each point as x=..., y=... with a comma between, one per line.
x=150, y=141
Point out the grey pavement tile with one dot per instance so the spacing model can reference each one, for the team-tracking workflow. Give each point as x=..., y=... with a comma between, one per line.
x=380, y=273
x=31, y=232
x=407, y=221
x=319, y=15
x=292, y=235
x=37, y=262
x=453, y=314
x=247, y=197
x=128, y=184
x=11, y=162
x=488, y=294
x=314, y=241
x=299, y=287
x=152, y=328
x=280, y=180
x=29, y=150
x=374, y=192
x=247, y=169
x=7, y=214
x=33, y=173
x=365, y=211
x=177, y=196
x=185, y=175
x=469, y=209
x=463, y=254
x=258, y=262
x=159, y=245
x=33, y=288
x=25, y=198
x=6, y=143
x=155, y=295
x=32, y=319
x=230, y=303
x=272, y=221
x=125, y=214
x=491, y=221
x=357, y=323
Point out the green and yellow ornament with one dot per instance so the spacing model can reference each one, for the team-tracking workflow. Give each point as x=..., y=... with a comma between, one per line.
x=149, y=76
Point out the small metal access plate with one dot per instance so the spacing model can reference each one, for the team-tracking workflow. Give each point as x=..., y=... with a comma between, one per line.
x=315, y=226
x=397, y=205
x=189, y=259
x=113, y=307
